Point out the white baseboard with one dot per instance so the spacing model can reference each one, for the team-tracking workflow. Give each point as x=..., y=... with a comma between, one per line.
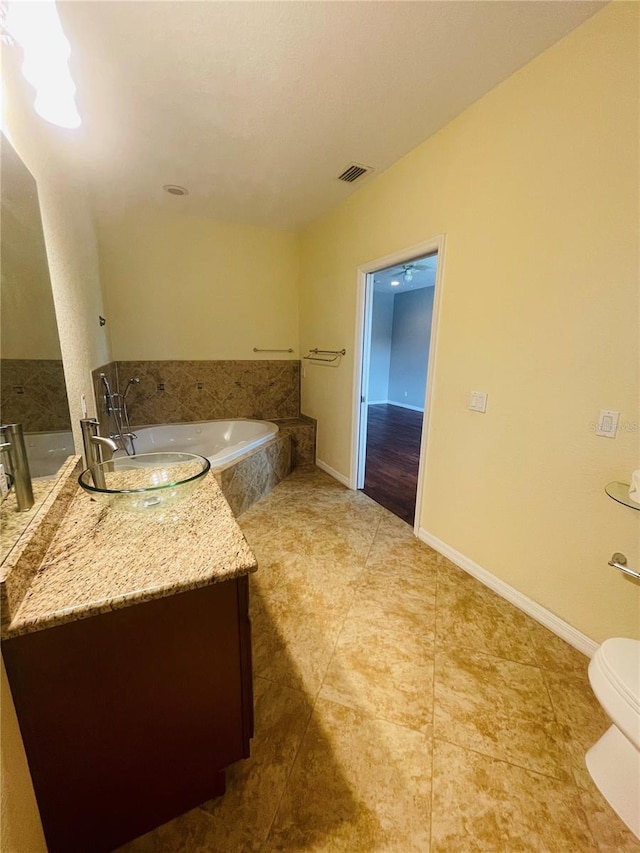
x=554, y=623
x=406, y=406
x=333, y=473
x=377, y=402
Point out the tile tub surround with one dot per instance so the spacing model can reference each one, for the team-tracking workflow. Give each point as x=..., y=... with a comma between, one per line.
x=252, y=477
x=178, y=391
x=378, y=726
x=34, y=394
x=101, y=560
x=303, y=438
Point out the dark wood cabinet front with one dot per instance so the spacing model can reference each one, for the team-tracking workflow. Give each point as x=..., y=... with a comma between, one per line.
x=129, y=718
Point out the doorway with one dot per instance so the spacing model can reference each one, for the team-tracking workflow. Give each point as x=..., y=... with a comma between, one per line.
x=399, y=309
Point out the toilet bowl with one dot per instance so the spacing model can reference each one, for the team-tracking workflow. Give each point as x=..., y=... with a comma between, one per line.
x=614, y=761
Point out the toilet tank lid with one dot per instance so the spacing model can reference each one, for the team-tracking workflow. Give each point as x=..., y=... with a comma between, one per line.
x=620, y=657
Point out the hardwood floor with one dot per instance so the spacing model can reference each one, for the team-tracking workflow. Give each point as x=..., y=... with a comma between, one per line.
x=393, y=453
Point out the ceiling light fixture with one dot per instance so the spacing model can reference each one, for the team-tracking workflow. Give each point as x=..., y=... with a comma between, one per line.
x=408, y=274
x=37, y=29
x=395, y=283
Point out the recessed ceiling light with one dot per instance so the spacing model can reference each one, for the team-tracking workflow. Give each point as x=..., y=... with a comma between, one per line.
x=395, y=283
x=174, y=189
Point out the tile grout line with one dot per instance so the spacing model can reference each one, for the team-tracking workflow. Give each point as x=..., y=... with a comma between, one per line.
x=565, y=748
x=349, y=609
x=568, y=781
x=373, y=539
x=288, y=776
x=376, y=717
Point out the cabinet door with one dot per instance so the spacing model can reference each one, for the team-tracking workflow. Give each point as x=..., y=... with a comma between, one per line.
x=245, y=657
x=129, y=717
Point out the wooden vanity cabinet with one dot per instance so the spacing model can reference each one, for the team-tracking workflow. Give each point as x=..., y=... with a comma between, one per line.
x=130, y=717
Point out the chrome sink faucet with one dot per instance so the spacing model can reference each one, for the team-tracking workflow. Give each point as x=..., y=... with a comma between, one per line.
x=14, y=446
x=97, y=449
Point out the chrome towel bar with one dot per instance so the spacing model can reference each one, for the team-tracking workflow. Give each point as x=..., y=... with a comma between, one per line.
x=316, y=354
x=257, y=349
x=619, y=561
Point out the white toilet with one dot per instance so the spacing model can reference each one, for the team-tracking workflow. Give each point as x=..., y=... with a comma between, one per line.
x=614, y=761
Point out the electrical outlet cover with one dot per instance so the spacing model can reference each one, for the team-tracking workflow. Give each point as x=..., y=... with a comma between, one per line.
x=607, y=423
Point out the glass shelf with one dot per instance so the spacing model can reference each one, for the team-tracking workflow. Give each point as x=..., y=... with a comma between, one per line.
x=620, y=492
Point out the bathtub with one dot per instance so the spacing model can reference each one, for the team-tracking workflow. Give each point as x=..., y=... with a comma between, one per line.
x=46, y=451
x=219, y=441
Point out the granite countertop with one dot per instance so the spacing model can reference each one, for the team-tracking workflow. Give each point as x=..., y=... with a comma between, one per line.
x=99, y=559
x=14, y=523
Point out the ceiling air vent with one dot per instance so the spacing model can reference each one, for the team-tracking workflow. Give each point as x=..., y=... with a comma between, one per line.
x=353, y=172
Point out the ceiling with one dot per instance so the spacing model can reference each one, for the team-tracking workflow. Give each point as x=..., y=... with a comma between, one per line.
x=256, y=107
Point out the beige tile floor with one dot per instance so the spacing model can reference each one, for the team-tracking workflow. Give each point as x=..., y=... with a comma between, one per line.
x=400, y=705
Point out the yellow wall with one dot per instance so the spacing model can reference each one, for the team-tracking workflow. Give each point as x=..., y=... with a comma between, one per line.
x=536, y=189
x=186, y=287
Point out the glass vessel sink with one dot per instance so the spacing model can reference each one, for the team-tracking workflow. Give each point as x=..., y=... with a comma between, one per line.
x=148, y=480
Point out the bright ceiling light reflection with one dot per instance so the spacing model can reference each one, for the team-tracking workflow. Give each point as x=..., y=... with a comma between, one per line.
x=37, y=29
x=395, y=283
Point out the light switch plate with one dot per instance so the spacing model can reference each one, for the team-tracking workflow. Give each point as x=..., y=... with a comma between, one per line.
x=478, y=401
x=607, y=423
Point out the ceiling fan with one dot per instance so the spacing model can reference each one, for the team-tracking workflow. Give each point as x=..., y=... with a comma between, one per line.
x=409, y=269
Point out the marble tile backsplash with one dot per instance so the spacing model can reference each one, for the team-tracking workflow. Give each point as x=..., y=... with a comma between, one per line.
x=34, y=393
x=180, y=391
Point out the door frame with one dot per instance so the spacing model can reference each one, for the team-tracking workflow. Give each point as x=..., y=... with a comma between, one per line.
x=362, y=338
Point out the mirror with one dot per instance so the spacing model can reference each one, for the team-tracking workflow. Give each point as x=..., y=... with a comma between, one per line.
x=32, y=384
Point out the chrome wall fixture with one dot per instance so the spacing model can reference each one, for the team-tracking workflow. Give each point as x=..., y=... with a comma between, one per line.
x=329, y=356
x=97, y=449
x=13, y=445
x=619, y=561
x=116, y=408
